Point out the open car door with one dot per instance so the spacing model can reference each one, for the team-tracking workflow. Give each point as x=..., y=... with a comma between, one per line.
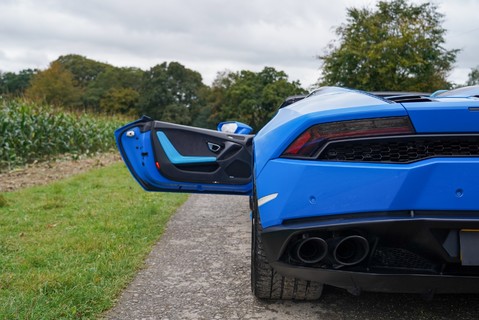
x=163, y=156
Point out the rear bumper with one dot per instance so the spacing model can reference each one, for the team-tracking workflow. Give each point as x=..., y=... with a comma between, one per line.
x=409, y=252
x=356, y=282
x=309, y=189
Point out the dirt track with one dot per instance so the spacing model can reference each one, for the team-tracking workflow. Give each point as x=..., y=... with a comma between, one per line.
x=45, y=172
x=200, y=270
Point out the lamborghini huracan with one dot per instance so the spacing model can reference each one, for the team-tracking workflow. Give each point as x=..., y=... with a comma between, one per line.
x=360, y=190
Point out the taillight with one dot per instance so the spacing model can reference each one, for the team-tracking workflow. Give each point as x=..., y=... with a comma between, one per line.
x=312, y=139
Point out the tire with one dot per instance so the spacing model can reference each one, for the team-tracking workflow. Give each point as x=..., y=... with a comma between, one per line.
x=266, y=283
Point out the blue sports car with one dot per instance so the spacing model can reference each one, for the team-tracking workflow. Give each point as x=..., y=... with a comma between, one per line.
x=358, y=190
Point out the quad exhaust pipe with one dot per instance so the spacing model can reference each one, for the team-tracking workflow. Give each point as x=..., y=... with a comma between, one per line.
x=343, y=251
x=311, y=250
x=350, y=250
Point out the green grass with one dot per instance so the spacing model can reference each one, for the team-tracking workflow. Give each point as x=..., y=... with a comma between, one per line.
x=68, y=249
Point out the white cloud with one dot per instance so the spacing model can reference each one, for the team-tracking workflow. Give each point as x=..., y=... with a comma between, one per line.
x=463, y=29
x=208, y=36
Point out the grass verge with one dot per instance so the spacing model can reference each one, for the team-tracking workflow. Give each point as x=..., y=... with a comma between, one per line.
x=68, y=248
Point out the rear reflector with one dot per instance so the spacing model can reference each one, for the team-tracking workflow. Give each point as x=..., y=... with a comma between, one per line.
x=309, y=142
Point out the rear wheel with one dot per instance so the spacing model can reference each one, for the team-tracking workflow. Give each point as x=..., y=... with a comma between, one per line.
x=268, y=284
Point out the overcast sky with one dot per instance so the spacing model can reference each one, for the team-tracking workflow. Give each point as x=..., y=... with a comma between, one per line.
x=204, y=35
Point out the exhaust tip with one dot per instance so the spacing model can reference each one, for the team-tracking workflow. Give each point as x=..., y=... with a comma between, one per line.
x=351, y=250
x=311, y=250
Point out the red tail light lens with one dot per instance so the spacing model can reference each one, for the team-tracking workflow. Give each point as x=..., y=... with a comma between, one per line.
x=312, y=139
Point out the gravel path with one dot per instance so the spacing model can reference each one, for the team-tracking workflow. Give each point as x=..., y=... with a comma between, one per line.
x=201, y=270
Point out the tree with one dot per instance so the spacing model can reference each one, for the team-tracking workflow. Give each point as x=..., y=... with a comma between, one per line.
x=170, y=92
x=112, y=81
x=101, y=85
x=120, y=100
x=54, y=85
x=84, y=70
x=176, y=113
x=473, y=77
x=398, y=46
x=15, y=84
x=250, y=97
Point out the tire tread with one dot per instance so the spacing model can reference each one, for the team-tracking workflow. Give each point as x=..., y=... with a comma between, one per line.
x=268, y=284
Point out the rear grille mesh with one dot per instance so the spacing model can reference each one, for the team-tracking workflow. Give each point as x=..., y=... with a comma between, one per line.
x=401, y=149
x=398, y=258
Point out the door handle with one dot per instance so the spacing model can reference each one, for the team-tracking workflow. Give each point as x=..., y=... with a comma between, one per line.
x=214, y=147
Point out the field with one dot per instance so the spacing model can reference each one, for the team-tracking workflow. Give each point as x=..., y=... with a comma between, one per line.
x=67, y=249
x=31, y=132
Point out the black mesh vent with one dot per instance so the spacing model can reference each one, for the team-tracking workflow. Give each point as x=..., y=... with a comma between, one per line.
x=398, y=258
x=401, y=149
x=409, y=98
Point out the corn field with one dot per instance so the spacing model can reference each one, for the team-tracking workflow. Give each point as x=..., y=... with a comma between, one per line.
x=30, y=132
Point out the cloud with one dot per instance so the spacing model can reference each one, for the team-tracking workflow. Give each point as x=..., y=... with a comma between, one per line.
x=463, y=28
x=208, y=36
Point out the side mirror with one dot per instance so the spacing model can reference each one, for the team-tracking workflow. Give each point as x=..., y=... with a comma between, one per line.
x=234, y=127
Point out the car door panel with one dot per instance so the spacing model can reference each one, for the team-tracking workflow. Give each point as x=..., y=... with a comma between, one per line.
x=170, y=157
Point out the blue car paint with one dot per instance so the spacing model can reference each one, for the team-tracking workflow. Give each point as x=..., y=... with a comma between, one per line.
x=332, y=106
x=466, y=92
x=435, y=93
x=137, y=153
x=450, y=115
x=175, y=157
x=318, y=188
x=325, y=188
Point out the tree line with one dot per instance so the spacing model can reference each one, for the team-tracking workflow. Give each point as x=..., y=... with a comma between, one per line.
x=168, y=91
x=396, y=46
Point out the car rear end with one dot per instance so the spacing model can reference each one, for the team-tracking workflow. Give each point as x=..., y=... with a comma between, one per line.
x=371, y=194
